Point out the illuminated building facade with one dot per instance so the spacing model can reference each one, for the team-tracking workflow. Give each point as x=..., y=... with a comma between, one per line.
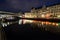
x=45, y=12
x=30, y=15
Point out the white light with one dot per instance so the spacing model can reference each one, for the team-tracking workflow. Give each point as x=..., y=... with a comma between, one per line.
x=20, y=16
x=4, y=24
x=20, y=21
x=8, y=23
x=27, y=21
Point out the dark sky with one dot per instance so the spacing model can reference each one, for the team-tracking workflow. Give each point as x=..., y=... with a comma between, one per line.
x=24, y=5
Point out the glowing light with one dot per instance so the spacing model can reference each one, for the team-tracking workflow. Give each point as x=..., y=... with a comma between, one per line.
x=57, y=24
x=53, y=23
x=58, y=16
x=27, y=21
x=20, y=16
x=4, y=24
x=20, y=21
x=43, y=15
x=8, y=23
x=42, y=23
x=47, y=15
x=47, y=23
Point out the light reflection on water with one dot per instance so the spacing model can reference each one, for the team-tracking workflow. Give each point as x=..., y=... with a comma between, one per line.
x=24, y=21
x=40, y=22
x=44, y=25
x=4, y=24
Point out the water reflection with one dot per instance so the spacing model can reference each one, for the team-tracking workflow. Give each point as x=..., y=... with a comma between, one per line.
x=43, y=25
x=25, y=27
x=41, y=22
x=20, y=21
x=24, y=21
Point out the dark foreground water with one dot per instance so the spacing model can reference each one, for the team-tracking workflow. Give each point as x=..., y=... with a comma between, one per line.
x=28, y=32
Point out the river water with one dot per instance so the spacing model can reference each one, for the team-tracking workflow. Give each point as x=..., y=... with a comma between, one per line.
x=28, y=31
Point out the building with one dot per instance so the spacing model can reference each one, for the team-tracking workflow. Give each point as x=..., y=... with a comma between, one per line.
x=44, y=12
x=30, y=15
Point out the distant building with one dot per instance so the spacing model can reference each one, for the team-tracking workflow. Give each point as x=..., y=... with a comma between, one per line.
x=55, y=10
x=51, y=11
x=30, y=15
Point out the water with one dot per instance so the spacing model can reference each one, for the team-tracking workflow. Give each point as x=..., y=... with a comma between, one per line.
x=28, y=31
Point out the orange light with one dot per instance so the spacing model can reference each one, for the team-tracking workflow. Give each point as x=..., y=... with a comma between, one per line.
x=47, y=16
x=53, y=23
x=47, y=23
x=34, y=21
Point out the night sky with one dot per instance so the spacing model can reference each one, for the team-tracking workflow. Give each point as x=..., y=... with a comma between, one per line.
x=24, y=5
